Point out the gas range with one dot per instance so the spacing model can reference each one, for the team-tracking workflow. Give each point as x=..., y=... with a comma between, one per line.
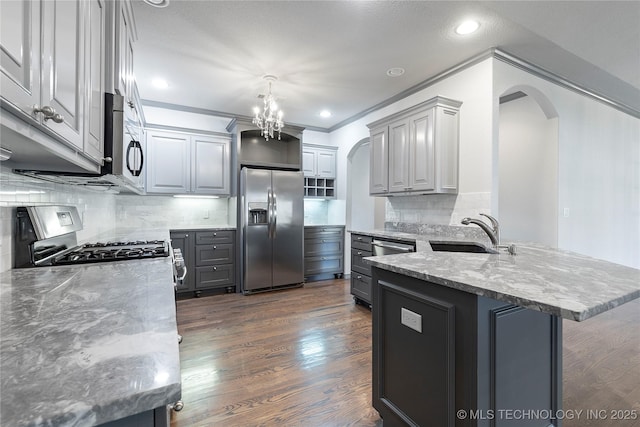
x=46, y=235
x=113, y=251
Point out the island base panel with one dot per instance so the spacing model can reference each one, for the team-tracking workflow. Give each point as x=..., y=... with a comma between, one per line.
x=497, y=362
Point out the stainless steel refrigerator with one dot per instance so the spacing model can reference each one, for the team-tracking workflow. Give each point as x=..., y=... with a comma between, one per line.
x=272, y=229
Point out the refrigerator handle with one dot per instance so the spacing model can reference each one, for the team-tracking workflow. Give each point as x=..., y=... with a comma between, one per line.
x=269, y=214
x=275, y=214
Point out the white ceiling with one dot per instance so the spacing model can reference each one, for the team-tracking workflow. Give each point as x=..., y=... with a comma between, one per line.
x=334, y=54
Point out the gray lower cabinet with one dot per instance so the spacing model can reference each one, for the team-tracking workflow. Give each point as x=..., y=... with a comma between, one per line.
x=360, y=271
x=323, y=252
x=445, y=357
x=210, y=259
x=158, y=417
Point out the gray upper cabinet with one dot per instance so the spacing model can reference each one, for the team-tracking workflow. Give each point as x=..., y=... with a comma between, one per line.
x=319, y=161
x=95, y=69
x=379, y=176
x=415, y=151
x=210, y=172
x=20, y=54
x=63, y=82
x=124, y=38
x=184, y=163
x=53, y=60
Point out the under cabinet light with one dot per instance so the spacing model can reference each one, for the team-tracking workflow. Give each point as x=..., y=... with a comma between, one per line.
x=194, y=196
x=5, y=154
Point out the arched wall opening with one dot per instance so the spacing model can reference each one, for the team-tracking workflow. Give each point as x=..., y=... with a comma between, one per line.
x=528, y=167
x=363, y=212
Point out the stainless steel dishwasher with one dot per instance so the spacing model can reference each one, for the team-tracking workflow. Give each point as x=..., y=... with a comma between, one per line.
x=390, y=247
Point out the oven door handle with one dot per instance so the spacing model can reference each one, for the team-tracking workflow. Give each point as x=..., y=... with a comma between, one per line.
x=395, y=248
x=184, y=274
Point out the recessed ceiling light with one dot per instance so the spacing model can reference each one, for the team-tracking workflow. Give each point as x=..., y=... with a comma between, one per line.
x=157, y=3
x=325, y=113
x=467, y=27
x=160, y=83
x=395, y=72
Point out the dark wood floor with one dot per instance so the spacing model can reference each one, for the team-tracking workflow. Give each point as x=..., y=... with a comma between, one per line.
x=302, y=357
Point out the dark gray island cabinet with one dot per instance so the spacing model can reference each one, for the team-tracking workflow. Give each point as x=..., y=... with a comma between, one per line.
x=476, y=340
x=439, y=351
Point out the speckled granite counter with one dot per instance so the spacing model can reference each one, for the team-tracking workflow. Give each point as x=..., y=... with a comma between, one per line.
x=553, y=281
x=86, y=344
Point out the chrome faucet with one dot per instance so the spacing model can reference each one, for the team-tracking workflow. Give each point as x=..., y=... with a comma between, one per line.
x=492, y=233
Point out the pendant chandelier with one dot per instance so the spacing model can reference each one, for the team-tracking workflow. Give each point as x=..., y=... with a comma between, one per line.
x=269, y=120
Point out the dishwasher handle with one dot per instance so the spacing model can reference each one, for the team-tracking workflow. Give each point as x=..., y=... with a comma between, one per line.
x=392, y=247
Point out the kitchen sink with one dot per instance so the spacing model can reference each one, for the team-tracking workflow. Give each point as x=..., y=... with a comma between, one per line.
x=473, y=247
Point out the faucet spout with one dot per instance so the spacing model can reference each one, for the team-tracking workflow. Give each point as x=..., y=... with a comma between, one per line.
x=495, y=224
x=485, y=228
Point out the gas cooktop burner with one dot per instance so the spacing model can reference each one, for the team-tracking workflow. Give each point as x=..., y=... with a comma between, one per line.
x=132, y=243
x=114, y=251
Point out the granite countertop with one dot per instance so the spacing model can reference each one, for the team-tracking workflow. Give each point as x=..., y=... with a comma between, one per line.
x=558, y=282
x=86, y=344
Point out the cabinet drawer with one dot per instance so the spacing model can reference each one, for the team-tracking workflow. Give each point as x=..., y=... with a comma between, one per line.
x=214, y=236
x=325, y=264
x=323, y=232
x=318, y=247
x=217, y=276
x=361, y=242
x=358, y=264
x=218, y=253
x=361, y=287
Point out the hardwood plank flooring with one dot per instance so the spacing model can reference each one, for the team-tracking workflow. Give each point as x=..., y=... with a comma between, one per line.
x=302, y=357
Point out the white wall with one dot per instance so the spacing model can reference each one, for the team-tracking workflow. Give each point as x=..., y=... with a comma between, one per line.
x=598, y=170
x=528, y=173
x=472, y=86
x=184, y=119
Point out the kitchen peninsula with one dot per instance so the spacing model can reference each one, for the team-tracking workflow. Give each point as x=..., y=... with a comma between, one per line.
x=460, y=337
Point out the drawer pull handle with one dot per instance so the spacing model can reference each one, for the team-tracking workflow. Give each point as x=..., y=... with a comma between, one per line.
x=324, y=241
x=359, y=277
x=359, y=253
x=215, y=234
x=215, y=268
x=215, y=247
x=359, y=238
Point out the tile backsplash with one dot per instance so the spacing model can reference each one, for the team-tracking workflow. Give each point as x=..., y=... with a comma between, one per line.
x=444, y=209
x=168, y=211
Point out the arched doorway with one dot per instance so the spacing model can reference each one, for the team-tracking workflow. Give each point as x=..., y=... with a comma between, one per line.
x=364, y=212
x=528, y=167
